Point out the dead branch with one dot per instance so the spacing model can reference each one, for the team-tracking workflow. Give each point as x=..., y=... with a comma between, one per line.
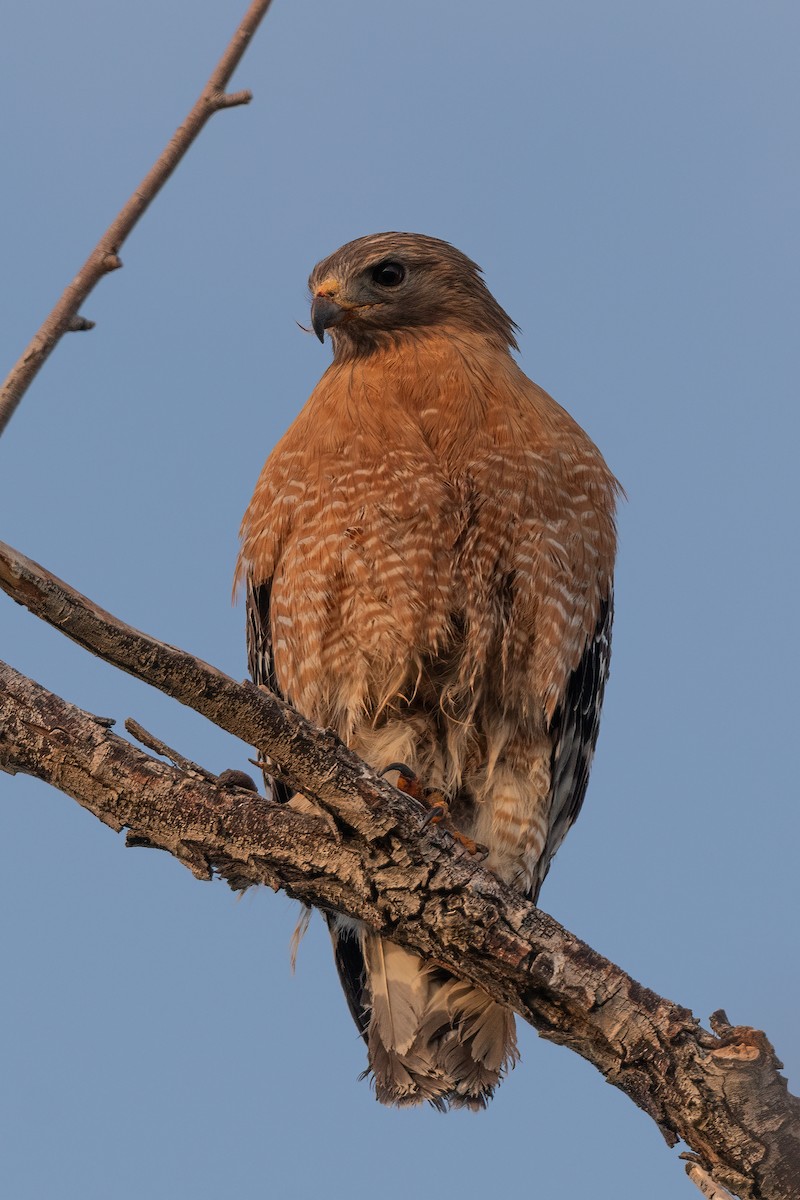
x=65, y=317
x=719, y=1090
x=164, y=751
x=315, y=762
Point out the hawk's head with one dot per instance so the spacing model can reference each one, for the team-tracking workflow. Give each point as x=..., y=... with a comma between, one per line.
x=380, y=287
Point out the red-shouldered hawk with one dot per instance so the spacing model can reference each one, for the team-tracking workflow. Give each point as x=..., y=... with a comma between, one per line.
x=428, y=556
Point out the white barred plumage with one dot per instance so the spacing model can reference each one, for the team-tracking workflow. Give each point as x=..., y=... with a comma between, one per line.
x=428, y=556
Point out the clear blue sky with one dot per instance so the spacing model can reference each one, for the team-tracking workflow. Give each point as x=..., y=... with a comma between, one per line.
x=627, y=174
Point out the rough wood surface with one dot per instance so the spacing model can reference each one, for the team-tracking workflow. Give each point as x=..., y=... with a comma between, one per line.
x=719, y=1090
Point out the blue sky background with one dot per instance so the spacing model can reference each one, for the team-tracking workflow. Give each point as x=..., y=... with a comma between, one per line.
x=627, y=175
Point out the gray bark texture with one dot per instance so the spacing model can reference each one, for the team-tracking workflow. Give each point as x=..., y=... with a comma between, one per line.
x=718, y=1089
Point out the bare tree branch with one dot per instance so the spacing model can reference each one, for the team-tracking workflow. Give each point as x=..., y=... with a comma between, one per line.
x=65, y=317
x=309, y=759
x=719, y=1090
x=161, y=748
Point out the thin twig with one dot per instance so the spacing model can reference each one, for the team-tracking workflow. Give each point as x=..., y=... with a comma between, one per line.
x=105, y=257
x=153, y=743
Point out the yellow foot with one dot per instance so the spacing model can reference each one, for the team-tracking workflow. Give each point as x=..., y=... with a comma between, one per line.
x=438, y=809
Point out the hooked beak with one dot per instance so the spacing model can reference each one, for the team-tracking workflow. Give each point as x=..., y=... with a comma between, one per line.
x=324, y=313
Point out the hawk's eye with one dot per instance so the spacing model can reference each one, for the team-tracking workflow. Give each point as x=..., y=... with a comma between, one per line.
x=388, y=274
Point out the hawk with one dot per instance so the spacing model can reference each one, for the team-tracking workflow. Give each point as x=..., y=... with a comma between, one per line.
x=428, y=559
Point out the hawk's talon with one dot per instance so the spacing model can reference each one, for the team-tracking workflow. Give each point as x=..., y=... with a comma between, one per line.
x=408, y=781
x=401, y=768
x=438, y=809
x=434, y=815
x=469, y=844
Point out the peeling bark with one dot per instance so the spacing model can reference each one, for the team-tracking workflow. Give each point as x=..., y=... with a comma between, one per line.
x=719, y=1090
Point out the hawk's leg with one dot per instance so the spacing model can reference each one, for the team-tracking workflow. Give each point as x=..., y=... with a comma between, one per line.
x=434, y=800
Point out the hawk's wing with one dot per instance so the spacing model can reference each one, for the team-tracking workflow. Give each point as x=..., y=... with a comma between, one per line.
x=260, y=662
x=261, y=665
x=575, y=726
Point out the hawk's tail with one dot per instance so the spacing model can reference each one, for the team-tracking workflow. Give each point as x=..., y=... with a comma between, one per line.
x=429, y=1035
